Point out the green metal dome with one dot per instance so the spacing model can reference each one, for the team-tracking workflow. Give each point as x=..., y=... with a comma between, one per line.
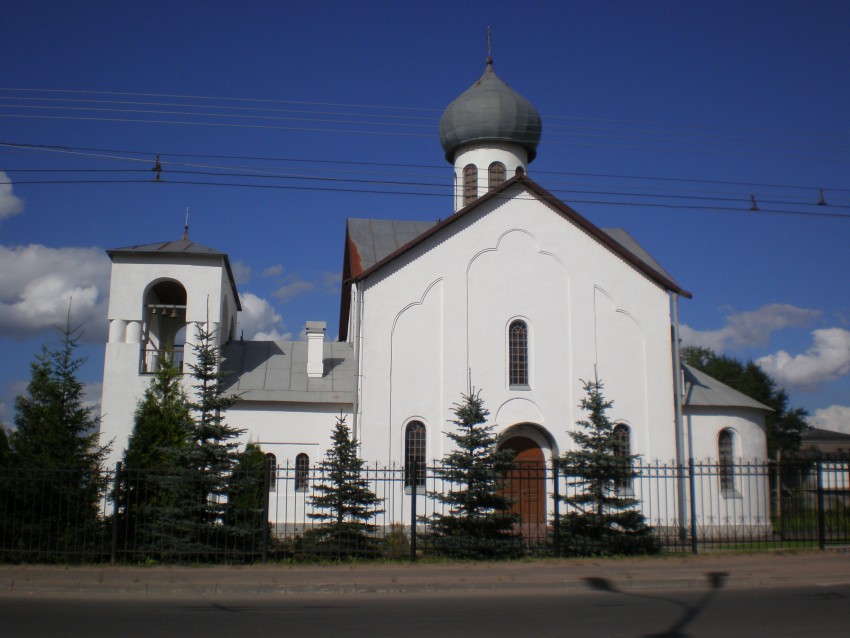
x=490, y=110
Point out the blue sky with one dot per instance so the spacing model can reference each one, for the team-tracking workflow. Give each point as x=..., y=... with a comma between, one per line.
x=275, y=121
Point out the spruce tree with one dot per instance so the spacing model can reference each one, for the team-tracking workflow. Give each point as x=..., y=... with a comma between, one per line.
x=56, y=459
x=160, y=436
x=247, y=492
x=344, y=501
x=478, y=523
x=601, y=519
x=5, y=452
x=197, y=488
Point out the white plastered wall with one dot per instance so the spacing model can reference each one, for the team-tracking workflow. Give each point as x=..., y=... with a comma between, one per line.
x=437, y=317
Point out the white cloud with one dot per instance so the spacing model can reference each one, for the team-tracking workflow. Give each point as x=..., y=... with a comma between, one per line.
x=294, y=287
x=749, y=329
x=37, y=284
x=331, y=282
x=272, y=271
x=258, y=320
x=826, y=360
x=10, y=204
x=7, y=401
x=92, y=393
x=241, y=272
x=835, y=418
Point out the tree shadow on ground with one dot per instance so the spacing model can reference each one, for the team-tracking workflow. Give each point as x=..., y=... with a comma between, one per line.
x=716, y=581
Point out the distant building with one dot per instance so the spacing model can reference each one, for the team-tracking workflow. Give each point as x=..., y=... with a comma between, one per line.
x=818, y=442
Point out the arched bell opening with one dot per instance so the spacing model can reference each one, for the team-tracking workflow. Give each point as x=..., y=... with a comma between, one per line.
x=164, y=328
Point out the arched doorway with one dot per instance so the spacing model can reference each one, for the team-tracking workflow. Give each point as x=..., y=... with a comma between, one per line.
x=525, y=485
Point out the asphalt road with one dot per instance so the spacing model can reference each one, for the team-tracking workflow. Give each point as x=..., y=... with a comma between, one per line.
x=601, y=611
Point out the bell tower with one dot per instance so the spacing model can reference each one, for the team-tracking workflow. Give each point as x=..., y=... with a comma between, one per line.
x=158, y=294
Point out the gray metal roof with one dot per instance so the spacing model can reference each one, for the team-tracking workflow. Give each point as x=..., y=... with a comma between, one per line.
x=630, y=244
x=702, y=390
x=277, y=371
x=813, y=435
x=490, y=110
x=181, y=247
x=375, y=239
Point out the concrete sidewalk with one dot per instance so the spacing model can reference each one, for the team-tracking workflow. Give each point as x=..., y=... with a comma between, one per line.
x=830, y=567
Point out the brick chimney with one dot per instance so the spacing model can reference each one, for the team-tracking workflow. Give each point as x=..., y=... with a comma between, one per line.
x=315, y=348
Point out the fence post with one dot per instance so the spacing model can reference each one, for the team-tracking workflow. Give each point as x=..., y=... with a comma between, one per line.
x=821, y=513
x=693, y=492
x=556, y=496
x=414, y=488
x=115, y=494
x=267, y=486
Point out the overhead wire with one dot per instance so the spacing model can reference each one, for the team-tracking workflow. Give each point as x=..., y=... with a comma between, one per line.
x=147, y=155
x=661, y=132
x=372, y=191
x=686, y=200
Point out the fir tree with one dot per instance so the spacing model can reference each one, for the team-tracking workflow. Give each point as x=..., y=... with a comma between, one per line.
x=197, y=488
x=56, y=458
x=247, y=493
x=478, y=523
x=5, y=453
x=160, y=436
x=601, y=519
x=344, y=501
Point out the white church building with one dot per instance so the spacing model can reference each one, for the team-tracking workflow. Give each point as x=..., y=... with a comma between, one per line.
x=514, y=293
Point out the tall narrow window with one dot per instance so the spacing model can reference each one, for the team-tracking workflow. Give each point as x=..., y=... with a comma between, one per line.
x=302, y=472
x=518, y=354
x=470, y=183
x=726, y=456
x=622, y=452
x=414, y=454
x=497, y=175
x=271, y=459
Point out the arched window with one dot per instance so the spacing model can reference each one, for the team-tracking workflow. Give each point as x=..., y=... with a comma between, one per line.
x=726, y=459
x=271, y=460
x=470, y=183
x=302, y=472
x=622, y=452
x=520, y=170
x=518, y=354
x=414, y=454
x=497, y=175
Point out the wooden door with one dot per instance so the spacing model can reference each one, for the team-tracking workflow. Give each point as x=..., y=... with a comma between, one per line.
x=525, y=485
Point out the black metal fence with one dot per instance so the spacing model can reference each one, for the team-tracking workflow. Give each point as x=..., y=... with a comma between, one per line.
x=50, y=517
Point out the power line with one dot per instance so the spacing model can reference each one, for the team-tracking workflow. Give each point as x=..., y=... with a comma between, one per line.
x=440, y=185
x=689, y=207
x=698, y=134
x=388, y=107
x=112, y=154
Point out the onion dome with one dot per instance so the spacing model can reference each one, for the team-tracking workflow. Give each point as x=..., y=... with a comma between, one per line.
x=490, y=111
